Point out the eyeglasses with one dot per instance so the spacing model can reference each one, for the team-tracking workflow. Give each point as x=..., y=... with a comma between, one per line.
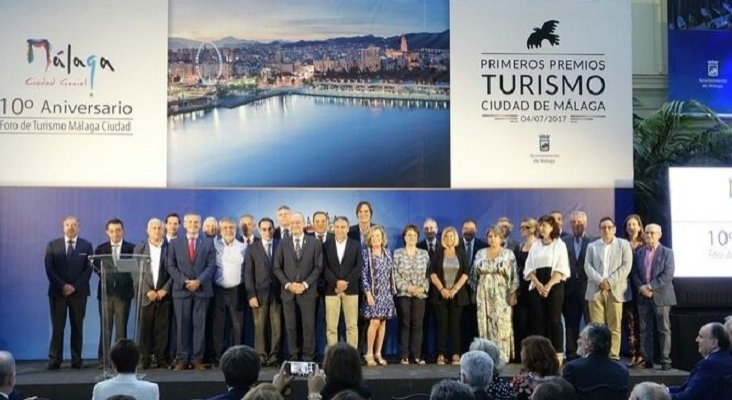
x=525, y=227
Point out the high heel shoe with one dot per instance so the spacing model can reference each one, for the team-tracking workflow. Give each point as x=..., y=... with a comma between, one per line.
x=369, y=360
x=380, y=360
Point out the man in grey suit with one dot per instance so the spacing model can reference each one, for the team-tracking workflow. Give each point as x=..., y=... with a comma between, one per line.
x=607, y=265
x=156, y=304
x=575, y=306
x=191, y=262
x=653, y=273
x=263, y=293
x=297, y=265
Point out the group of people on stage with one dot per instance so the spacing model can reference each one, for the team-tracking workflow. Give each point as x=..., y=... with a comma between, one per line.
x=198, y=282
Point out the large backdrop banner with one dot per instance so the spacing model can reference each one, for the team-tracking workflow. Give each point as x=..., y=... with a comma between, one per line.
x=700, y=53
x=541, y=93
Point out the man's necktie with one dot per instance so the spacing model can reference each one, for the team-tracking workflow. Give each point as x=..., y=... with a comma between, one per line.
x=298, y=248
x=70, y=248
x=320, y=237
x=269, y=251
x=115, y=253
x=469, y=250
x=192, y=248
x=286, y=234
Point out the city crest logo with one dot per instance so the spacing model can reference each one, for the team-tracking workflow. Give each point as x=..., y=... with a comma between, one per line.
x=712, y=68
x=546, y=32
x=544, y=143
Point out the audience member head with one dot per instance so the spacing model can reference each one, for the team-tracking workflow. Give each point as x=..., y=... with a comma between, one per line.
x=410, y=234
x=376, y=237
x=263, y=391
x=125, y=356
x=342, y=365
x=554, y=388
x=430, y=229
x=240, y=366
x=347, y=395
x=578, y=223
x=7, y=372
x=649, y=391
x=728, y=326
x=491, y=348
x=594, y=339
x=449, y=389
x=476, y=370
x=364, y=212
x=528, y=227
x=449, y=237
x=538, y=356
x=633, y=228
x=548, y=227
x=712, y=337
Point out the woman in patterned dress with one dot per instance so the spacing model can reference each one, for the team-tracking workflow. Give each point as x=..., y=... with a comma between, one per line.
x=495, y=282
x=410, y=277
x=633, y=227
x=378, y=286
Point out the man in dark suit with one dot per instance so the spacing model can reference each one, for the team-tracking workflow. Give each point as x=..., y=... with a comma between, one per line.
x=430, y=241
x=711, y=377
x=240, y=366
x=652, y=274
x=172, y=226
x=156, y=304
x=284, y=217
x=575, y=305
x=470, y=243
x=320, y=227
x=469, y=246
x=246, y=227
x=595, y=376
x=505, y=226
x=263, y=294
x=557, y=215
x=191, y=262
x=68, y=269
x=298, y=264
x=118, y=285
x=342, y=265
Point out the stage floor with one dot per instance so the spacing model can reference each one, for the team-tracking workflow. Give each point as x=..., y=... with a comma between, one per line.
x=384, y=381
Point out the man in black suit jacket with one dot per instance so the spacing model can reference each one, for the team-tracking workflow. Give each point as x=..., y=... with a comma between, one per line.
x=246, y=227
x=469, y=246
x=118, y=285
x=430, y=241
x=68, y=269
x=156, y=304
x=575, y=306
x=342, y=265
x=263, y=293
x=595, y=376
x=284, y=217
x=298, y=264
x=191, y=262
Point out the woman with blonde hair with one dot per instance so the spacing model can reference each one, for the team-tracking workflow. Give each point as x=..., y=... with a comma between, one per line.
x=378, y=285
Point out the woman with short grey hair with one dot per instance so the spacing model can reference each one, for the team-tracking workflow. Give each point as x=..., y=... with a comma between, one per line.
x=499, y=389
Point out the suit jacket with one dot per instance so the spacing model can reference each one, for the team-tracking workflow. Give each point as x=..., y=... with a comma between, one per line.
x=164, y=279
x=477, y=245
x=462, y=297
x=328, y=235
x=126, y=384
x=423, y=245
x=234, y=393
x=118, y=284
x=621, y=262
x=240, y=238
x=278, y=233
x=259, y=278
x=181, y=268
x=74, y=270
x=348, y=270
x=355, y=233
x=578, y=278
x=710, y=379
x=289, y=268
x=662, y=274
x=597, y=377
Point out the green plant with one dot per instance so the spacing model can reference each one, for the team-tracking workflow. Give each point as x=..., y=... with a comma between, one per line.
x=680, y=133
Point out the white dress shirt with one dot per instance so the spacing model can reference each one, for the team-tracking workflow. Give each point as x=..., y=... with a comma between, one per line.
x=229, y=263
x=155, y=252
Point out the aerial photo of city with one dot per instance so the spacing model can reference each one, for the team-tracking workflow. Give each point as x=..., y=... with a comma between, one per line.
x=315, y=93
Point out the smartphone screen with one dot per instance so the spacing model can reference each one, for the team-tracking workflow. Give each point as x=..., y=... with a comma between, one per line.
x=301, y=368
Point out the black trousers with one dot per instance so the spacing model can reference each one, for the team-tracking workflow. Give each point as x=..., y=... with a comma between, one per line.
x=521, y=323
x=118, y=315
x=227, y=303
x=306, y=306
x=154, y=331
x=546, y=319
x=575, y=307
x=411, y=318
x=75, y=305
x=448, y=318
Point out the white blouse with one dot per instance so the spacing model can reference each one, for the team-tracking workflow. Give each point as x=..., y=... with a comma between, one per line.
x=552, y=255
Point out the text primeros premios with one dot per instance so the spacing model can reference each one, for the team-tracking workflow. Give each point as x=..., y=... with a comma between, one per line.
x=67, y=108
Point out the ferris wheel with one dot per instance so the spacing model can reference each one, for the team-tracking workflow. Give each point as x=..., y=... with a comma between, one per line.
x=209, y=63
